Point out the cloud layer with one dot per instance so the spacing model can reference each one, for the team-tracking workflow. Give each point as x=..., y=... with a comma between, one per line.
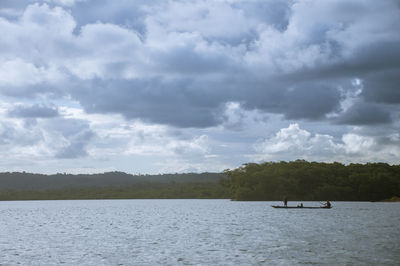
x=203, y=69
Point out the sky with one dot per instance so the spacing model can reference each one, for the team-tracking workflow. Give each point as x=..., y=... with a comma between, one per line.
x=147, y=87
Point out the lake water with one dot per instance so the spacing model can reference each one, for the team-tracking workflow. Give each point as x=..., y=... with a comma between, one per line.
x=197, y=232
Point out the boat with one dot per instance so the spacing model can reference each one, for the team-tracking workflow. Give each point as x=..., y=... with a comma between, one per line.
x=298, y=207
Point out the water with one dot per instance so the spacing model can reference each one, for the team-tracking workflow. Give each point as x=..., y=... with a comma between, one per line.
x=196, y=232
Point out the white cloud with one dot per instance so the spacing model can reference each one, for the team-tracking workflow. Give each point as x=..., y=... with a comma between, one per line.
x=183, y=165
x=208, y=18
x=149, y=142
x=355, y=144
x=41, y=139
x=67, y=3
x=293, y=143
x=10, y=12
x=19, y=73
x=105, y=51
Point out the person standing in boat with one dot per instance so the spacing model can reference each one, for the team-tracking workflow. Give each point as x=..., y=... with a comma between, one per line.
x=285, y=202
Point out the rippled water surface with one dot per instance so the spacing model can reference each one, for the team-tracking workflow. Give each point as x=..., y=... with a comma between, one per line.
x=196, y=232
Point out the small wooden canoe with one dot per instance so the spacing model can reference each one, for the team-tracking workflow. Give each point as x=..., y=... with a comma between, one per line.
x=295, y=207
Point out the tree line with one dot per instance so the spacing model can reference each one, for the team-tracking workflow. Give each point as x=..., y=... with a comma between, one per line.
x=110, y=185
x=148, y=190
x=298, y=181
x=301, y=181
x=30, y=181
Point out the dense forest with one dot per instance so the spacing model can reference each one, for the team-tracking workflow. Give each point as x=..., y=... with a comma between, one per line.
x=301, y=180
x=298, y=181
x=110, y=185
x=29, y=181
x=138, y=191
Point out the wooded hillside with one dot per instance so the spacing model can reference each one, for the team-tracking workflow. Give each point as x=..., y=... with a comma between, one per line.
x=302, y=180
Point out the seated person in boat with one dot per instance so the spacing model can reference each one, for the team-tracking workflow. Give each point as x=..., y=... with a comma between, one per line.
x=327, y=204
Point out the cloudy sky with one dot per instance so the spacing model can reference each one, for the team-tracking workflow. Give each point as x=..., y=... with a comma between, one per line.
x=190, y=86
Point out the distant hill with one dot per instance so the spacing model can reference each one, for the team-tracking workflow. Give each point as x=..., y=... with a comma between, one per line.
x=29, y=181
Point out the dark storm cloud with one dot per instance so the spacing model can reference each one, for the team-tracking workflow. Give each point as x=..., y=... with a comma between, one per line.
x=156, y=101
x=372, y=61
x=297, y=100
x=310, y=102
x=180, y=62
x=188, y=61
x=364, y=114
x=383, y=86
x=194, y=103
x=34, y=111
